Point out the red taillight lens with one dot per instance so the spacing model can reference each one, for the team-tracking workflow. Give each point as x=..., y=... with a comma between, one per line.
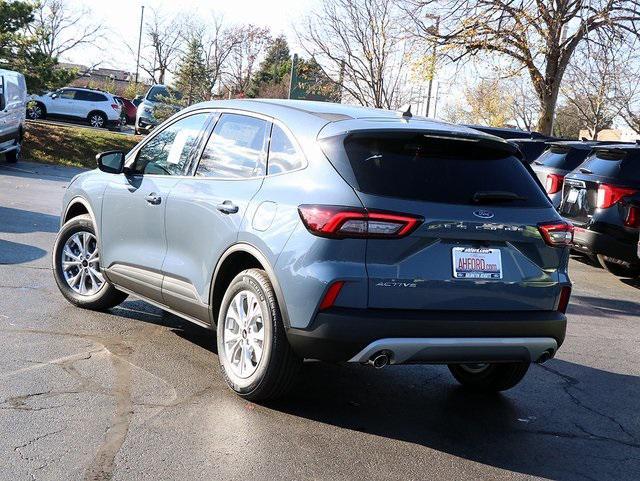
x=332, y=294
x=554, y=183
x=565, y=295
x=340, y=222
x=609, y=195
x=633, y=217
x=115, y=107
x=556, y=233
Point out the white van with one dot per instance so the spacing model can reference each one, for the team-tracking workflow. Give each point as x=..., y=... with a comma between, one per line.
x=13, y=105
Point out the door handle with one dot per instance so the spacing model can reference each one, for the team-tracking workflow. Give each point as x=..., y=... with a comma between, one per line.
x=227, y=207
x=153, y=198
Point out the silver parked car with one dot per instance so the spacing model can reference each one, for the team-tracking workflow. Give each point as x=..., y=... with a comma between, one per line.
x=324, y=231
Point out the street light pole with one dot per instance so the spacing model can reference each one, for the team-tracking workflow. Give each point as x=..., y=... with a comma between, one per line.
x=432, y=68
x=139, y=44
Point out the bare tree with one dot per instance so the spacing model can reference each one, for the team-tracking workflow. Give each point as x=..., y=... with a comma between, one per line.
x=537, y=36
x=525, y=108
x=594, y=88
x=163, y=39
x=219, y=42
x=59, y=29
x=250, y=43
x=360, y=46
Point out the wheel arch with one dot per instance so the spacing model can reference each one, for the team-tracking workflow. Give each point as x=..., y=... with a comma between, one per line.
x=235, y=259
x=78, y=206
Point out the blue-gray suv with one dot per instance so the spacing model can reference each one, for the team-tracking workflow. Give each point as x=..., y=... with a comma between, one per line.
x=303, y=230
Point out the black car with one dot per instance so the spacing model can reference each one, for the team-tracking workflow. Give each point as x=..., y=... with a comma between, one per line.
x=602, y=199
x=531, y=148
x=558, y=160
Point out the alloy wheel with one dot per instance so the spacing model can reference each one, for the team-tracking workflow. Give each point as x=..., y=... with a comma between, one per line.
x=81, y=263
x=35, y=112
x=243, y=334
x=96, y=120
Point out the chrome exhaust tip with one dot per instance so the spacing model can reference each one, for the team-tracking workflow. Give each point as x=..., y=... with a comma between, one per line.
x=379, y=360
x=545, y=356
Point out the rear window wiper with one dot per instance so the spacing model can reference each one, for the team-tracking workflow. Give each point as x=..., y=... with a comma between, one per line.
x=496, y=196
x=585, y=171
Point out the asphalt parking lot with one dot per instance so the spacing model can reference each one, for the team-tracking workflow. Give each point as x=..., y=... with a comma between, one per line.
x=135, y=393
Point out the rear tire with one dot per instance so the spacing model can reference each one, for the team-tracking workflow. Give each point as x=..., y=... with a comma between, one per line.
x=103, y=297
x=619, y=270
x=268, y=371
x=13, y=156
x=493, y=377
x=98, y=120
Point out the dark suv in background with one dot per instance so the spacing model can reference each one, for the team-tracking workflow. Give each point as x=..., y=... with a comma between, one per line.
x=556, y=162
x=602, y=200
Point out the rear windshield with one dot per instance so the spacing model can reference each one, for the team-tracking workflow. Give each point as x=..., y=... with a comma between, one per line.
x=433, y=169
x=615, y=164
x=163, y=94
x=562, y=158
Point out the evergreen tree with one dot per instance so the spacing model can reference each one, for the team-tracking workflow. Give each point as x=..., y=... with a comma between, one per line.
x=191, y=77
x=274, y=70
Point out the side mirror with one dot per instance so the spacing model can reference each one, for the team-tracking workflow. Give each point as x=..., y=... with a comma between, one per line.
x=111, y=162
x=54, y=96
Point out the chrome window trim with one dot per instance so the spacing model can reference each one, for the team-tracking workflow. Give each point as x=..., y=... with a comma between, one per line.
x=132, y=154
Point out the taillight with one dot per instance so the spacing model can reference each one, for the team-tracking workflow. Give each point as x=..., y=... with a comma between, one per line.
x=115, y=107
x=331, y=295
x=556, y=233
x=563, y=302
x=609, y=195
x=633, y=217
x=340, y=222
x=554, y=183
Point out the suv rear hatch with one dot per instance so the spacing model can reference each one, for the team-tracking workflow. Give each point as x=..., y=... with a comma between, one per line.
x=479, y=246
x=556, y=162
x=603, y=181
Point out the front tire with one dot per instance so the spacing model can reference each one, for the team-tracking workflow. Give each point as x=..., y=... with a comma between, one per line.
x=76, y=267
x=256, y=359
x=489, y=377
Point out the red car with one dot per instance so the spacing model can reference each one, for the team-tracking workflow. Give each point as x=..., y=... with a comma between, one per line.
x=128, y=109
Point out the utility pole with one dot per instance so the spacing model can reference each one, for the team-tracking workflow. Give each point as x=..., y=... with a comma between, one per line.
x=139, y=44
x=294, y=73
x=432, y=68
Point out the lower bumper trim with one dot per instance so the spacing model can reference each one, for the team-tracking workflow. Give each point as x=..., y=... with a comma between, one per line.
x=454, y=350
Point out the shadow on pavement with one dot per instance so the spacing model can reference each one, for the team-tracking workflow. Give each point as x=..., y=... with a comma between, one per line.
x=607, y=306
x=20, y=221
x=16, y=253
x=526, y=430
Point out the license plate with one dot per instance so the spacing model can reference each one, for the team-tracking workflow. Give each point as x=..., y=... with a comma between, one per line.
x=472, y=263
x=573, y=196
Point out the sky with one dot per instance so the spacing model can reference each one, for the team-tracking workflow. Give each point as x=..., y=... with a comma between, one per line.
x=122, y=17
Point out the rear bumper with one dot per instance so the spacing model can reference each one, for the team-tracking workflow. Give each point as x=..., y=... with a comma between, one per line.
x=592, y=242
x=342, y=334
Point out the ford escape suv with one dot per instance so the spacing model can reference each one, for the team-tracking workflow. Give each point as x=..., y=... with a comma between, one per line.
x=303, y=230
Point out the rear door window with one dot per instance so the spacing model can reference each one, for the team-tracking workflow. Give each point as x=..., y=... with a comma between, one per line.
x=236, y=148
x=434, y=169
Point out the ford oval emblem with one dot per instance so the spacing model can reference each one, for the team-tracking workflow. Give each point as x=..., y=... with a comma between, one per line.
x=483, y=214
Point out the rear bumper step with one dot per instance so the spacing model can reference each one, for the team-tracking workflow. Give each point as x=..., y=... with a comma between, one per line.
x=340, y=334
x=456, y=350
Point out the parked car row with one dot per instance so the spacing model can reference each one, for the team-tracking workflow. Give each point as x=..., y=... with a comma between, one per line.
x=102, y=109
